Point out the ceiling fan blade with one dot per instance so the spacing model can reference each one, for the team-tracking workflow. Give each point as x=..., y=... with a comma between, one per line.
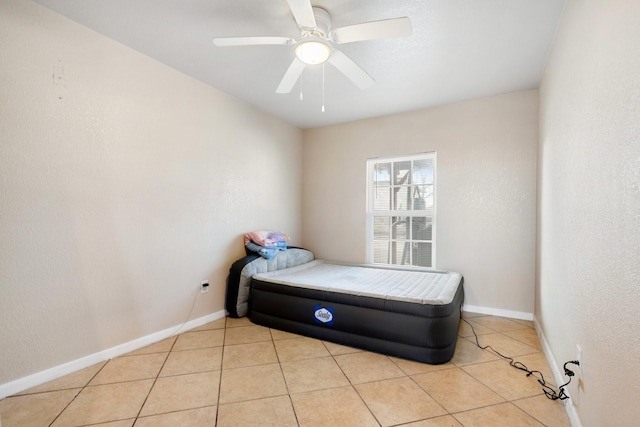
x=384, y=29
x=252, y=41
x=303, y=13
x=350, y=69
x=291, y=76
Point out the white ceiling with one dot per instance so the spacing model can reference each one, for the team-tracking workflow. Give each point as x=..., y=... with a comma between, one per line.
x=459, y=49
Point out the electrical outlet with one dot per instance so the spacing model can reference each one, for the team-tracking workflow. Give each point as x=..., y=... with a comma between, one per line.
x=204, y=287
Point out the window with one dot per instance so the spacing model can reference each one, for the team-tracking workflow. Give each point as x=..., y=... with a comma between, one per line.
x=401, y=210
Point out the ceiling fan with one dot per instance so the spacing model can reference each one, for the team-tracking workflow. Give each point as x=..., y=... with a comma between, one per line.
x=318, y=42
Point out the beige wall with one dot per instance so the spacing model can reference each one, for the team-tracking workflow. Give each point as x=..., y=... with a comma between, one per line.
x=486, y=183
x=123, y=185
x=587, y=289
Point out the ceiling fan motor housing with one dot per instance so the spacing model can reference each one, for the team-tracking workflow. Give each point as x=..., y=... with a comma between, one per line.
x=323, y=22
x=315, y=46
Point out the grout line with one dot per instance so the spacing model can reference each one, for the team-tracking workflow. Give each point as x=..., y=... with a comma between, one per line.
x=78, y=393
x=155, y=379
x=224, y=337
x=284, y=378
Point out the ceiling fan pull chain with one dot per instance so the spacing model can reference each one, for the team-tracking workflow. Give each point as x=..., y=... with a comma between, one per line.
x=300, y=82
x=300, y=86
x=323, y=87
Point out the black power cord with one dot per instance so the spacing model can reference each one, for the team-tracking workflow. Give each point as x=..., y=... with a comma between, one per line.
x=549, y=391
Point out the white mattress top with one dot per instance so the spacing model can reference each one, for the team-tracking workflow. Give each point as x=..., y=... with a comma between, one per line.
x=423, y=287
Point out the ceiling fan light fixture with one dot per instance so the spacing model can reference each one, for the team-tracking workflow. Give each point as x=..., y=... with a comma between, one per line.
x=313, y=52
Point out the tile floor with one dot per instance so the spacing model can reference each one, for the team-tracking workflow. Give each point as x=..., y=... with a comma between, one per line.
x=233, y=373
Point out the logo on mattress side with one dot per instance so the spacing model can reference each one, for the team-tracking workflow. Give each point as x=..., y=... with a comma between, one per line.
x=323, y=314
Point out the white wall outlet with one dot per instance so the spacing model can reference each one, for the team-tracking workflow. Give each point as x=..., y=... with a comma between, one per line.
x=204, y=287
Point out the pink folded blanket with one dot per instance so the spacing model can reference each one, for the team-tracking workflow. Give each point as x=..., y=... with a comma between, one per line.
x=266, y=238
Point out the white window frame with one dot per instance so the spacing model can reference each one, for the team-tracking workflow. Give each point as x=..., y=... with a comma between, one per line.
x=371, y=212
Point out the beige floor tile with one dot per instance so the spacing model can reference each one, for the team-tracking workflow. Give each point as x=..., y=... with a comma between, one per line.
x=333, y=407
x=130, y=368
x=269, y=412
x=445, y=421
x=410, y=367
x=313, y=374
x=233, y=322
x=336, y=349
x=192, y=361
x=104, y=403
x=198, y=417
x=527, y=323
x=367, y=367
x=35, y=409
x=506, y=345
x=502, y=415
x=456, y=390
x=528, y=336
x=300, y=348
x=199, y=339
x=548, y=412
x=466, y=330
x=282, y=335
x=468, y=352
x=507, y=381
x=182, y=392
x=121, y=423
x=216, y=324
x=246, y=334
x=498, y=324
x=258, y=353
x=470, y=315
x=163, y=346
x=399, y=400
x=538, y=362
x=253, y=382
x=76, y=379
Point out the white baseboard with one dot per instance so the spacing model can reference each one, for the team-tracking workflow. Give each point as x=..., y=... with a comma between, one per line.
x=497, y=312
x=557, y=376
x=42, y=377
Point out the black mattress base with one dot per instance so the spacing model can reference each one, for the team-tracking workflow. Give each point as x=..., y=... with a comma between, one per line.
x=424, y=339
x=433, y=356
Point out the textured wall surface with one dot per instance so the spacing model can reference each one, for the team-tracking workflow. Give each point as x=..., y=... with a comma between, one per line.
x=123, y=185
x=588, y=269
x=486, y=184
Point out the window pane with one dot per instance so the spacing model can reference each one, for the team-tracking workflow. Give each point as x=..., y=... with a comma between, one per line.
x=400, y=254
x=381, y=227
x=422, y=254
x=400, y=228
x=382, y=199
x=418, y=200
x=428, y=196
x=380, y=252
x=419, y=204
x=402, y=198
x=423, y=171
x=420, y=228
x=382, y=174
x=401, y=172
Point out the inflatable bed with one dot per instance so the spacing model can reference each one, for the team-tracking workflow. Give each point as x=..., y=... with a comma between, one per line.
x=405, y=313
